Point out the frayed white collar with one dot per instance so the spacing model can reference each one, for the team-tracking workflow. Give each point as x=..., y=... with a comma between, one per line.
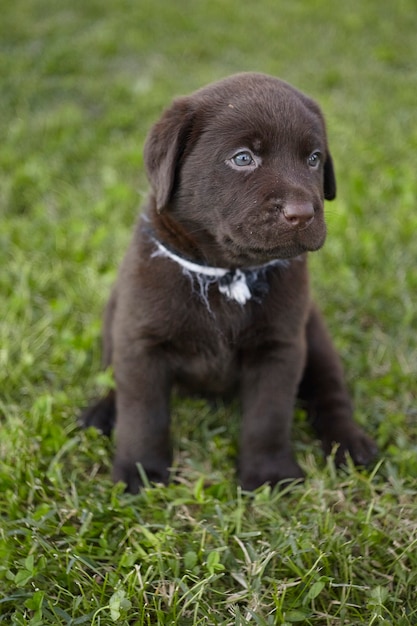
x=240, y=285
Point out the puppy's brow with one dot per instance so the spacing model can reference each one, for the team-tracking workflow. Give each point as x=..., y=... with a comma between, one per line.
x=257, y=144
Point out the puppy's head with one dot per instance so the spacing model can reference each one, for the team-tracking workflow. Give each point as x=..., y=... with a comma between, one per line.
x=243, y=167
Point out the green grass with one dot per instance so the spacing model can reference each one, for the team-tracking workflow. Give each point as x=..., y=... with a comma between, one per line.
x=80, y=84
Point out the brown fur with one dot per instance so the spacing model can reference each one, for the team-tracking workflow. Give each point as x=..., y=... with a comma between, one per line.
x=209, y=208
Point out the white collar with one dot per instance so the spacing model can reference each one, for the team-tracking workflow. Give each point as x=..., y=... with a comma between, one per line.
x=237, y=284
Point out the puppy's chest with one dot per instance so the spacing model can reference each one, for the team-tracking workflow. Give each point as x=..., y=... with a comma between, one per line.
x=204, y=353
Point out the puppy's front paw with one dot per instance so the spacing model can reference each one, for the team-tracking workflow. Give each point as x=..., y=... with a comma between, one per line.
x=128, y=473
x=280, y=468
x=352, y=441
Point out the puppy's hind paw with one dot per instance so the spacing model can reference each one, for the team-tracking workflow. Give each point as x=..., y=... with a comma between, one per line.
x=352, y=441
x=101, y=415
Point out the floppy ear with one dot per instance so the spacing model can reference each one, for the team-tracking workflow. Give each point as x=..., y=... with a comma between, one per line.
x=329, y=179
x=164, y=147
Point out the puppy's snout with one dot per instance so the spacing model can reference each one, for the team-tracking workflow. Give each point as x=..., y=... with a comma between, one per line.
x=298, y=214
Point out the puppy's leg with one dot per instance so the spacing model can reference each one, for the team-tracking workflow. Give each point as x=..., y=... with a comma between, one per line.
x=327, y=400
x=269, y=386
x=142, y=425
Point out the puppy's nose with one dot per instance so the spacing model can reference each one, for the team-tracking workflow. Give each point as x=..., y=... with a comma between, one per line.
x=298, y=214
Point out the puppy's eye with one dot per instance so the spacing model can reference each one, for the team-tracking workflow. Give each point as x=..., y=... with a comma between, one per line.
x=314, y=159
x=243, y=158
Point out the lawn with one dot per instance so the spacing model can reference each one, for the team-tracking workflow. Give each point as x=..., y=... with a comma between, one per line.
x=81, y=82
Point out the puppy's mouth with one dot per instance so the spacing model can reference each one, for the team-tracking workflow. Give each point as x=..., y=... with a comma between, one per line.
x=242, y=254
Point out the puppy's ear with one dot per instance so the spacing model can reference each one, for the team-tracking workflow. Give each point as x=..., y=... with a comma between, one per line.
x=329, y=179
x=164, y=148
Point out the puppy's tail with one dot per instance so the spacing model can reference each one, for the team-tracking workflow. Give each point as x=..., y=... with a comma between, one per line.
x=101, y=414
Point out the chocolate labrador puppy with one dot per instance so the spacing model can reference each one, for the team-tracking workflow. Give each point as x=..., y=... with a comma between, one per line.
x=213, y=293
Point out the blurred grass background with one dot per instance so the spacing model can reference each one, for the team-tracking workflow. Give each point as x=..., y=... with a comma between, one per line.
x=80, y=84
